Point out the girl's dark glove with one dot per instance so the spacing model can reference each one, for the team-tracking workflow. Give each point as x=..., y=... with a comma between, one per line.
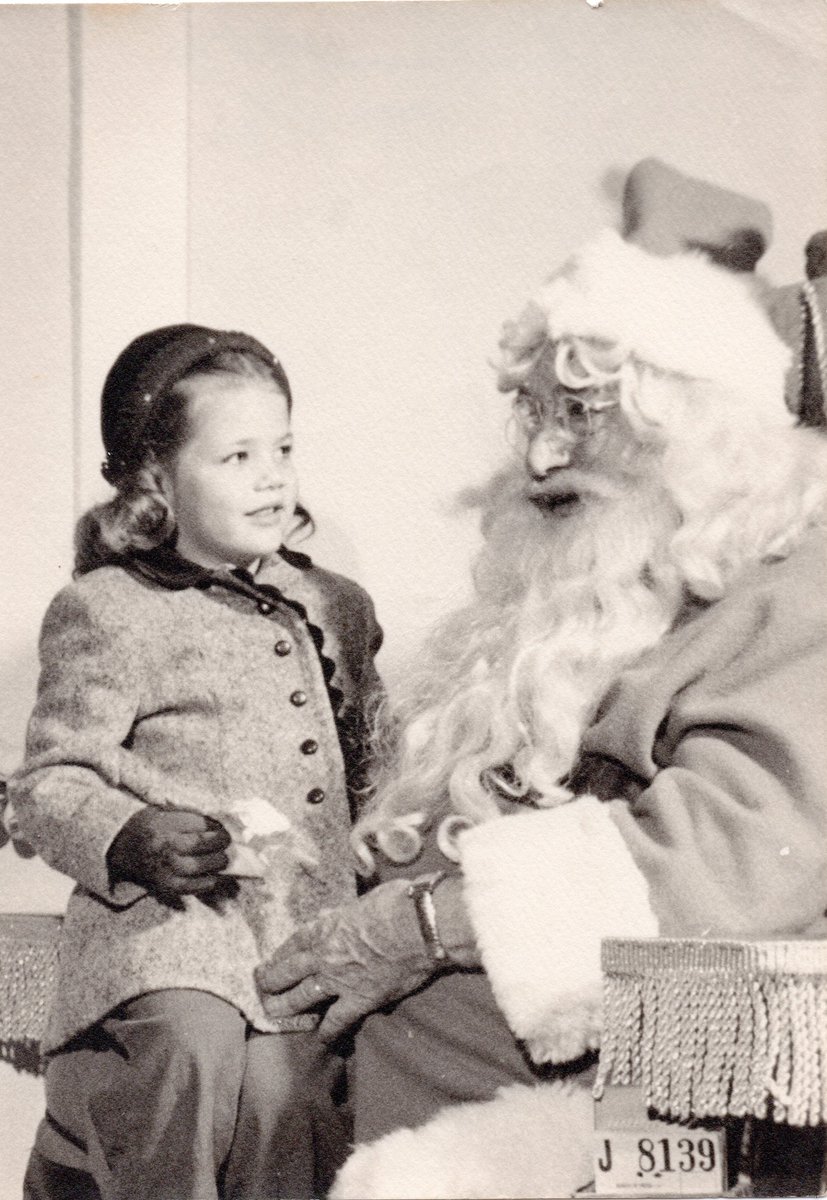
x=170, y=852
x=362, y=955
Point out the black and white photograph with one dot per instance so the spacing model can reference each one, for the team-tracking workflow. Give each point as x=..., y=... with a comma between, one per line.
x=413, y=655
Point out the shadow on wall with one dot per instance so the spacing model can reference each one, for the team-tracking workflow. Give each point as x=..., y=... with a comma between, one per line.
x=27, y=884
x=9, y=829
x=18, y=686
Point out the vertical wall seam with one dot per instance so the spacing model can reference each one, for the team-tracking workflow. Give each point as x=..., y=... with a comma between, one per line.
x=188, y=160
x=74, y=19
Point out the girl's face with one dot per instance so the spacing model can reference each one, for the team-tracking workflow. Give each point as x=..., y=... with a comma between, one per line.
x=232, y=486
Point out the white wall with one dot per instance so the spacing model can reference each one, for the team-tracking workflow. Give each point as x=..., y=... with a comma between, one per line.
x=35, y=349
x=132, y=170
x=36, y=410
x=375, y=187
x=372, y=188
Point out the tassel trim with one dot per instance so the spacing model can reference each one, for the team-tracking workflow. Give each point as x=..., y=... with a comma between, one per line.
x=28, y=979
x=717, y=1028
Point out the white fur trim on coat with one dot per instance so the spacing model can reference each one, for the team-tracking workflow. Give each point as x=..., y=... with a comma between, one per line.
x=528, y=1141
x=543, y=889
x=681, y=313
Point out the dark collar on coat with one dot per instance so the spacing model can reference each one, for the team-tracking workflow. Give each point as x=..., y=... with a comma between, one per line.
x=164, y=566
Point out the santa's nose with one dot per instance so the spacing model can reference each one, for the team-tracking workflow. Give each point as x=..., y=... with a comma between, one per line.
x=547, y=450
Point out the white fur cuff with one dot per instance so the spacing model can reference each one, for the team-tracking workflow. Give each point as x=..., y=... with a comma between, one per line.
x=543, y=889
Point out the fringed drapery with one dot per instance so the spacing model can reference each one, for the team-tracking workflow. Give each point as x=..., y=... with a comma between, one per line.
x=28, y=975
x=713, y=1029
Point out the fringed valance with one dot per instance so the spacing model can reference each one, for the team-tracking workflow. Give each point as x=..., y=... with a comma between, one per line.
x=714, y=1029
x=28, y=973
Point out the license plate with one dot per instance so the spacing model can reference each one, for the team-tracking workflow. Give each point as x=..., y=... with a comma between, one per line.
x=658, y=1159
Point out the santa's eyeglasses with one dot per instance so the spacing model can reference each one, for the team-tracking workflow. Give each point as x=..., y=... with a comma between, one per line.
x=578, y=414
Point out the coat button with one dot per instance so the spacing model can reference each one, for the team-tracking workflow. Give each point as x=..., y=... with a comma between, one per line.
x=298, y=698
x=264, y=608
x=315, y=796
x=282, y=648
x=309, y=746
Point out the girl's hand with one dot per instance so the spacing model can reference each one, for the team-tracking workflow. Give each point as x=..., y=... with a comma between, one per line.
x=362, y=955
x=170, y=852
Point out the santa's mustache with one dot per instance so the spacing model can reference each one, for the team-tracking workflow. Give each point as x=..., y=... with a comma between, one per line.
x=516, y=509
x=570, y=483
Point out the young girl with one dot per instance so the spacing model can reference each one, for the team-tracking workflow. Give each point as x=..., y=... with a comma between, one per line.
x=197, y=732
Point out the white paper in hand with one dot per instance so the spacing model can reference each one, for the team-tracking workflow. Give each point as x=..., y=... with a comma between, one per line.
x=248, y=818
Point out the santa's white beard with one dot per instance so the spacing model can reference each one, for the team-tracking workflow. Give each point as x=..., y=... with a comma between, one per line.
x=562, y=603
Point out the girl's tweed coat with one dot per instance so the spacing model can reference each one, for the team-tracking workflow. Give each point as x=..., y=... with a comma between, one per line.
x=195, y=692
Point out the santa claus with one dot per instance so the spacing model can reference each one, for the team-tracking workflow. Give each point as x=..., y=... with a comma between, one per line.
x=618, y=736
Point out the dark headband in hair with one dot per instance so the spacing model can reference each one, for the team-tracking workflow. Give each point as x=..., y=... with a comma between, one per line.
x=145, y=371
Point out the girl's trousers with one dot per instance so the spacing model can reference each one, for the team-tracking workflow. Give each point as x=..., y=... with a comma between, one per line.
x=174, y=1097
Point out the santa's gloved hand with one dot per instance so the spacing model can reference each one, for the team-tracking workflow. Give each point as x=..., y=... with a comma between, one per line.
x=170, y=852
x=362, y=955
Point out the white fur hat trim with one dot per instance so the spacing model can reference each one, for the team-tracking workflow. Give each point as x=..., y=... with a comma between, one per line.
x=679, y=313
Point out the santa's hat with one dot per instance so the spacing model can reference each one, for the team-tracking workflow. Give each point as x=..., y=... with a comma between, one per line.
x=668, y=212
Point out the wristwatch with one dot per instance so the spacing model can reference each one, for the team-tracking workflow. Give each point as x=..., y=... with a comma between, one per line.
x=421, y=892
